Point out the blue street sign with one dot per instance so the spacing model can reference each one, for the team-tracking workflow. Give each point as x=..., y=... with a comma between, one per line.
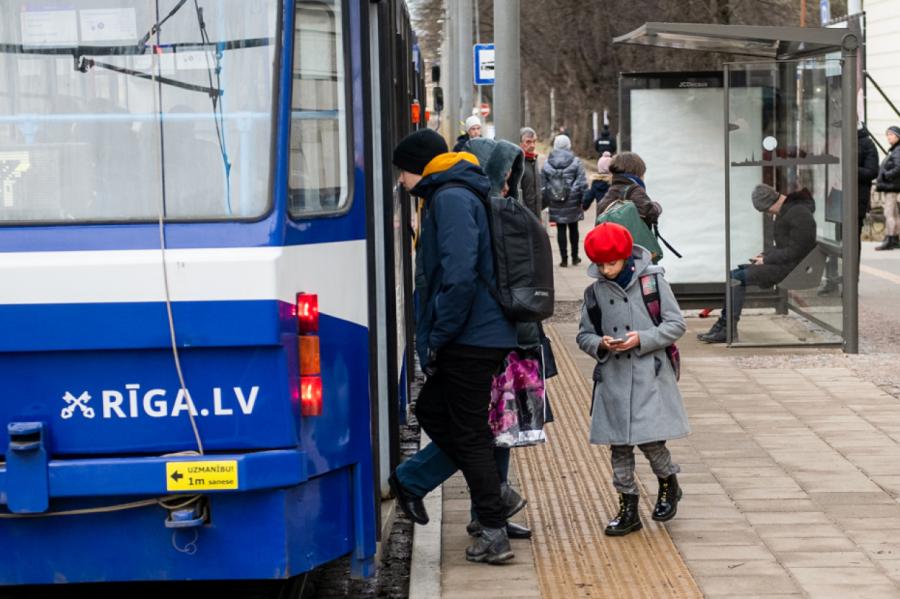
x=484, y=64
x=826, y=11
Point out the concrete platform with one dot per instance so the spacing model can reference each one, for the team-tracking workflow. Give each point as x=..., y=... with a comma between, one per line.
x=791, y=480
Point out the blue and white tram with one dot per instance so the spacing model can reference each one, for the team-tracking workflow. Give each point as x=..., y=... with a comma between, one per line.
x=192, y=346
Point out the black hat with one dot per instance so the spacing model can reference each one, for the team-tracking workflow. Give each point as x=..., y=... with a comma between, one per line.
x=416, y=150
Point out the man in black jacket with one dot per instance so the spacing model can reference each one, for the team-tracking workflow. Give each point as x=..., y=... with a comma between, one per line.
x=795, y=237
x=867, y=172
x=531, y=177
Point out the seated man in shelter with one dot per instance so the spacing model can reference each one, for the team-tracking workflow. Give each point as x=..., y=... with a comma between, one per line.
x=795, y=238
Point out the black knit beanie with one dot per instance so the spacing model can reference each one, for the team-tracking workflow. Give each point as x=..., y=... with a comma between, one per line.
x=416, y=150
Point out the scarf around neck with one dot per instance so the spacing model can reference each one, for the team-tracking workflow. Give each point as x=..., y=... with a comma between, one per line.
x=635, y=179
x=624, y=277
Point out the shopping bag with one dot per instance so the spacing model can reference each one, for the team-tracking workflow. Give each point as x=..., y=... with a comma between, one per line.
x=517, y=410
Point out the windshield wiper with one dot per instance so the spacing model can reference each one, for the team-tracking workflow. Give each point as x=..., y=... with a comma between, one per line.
x=156, y=26
x=85, y=64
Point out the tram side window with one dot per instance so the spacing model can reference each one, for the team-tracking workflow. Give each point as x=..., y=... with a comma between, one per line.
x=318, y=178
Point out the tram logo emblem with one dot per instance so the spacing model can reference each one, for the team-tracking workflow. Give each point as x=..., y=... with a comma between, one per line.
x=135, y=402
x=79, y=402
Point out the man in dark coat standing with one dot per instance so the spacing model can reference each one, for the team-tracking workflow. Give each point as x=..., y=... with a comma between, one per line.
x=462, y=335
x=606, y=142
x=531, y=179
x=795, y=238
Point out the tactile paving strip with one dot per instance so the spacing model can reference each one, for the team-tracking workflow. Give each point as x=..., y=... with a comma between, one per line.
x=571, y=499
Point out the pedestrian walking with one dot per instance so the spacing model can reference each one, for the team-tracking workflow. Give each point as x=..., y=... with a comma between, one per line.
x=473, y=131
x=531, y=180
x=888, y=182
x=600, y=183
x=636, y=400
x=794, y=238
x=428, y=468
x=606, y=142
x=627, y=184
x=462, y=335
x=564, y=182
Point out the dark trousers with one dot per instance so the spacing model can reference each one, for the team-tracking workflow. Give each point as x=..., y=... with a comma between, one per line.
x=737, y=286
x=561, y=229
x=453, y=409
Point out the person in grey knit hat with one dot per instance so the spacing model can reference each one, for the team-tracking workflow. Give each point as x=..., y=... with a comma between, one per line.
x=764, y=197
x=794, y=236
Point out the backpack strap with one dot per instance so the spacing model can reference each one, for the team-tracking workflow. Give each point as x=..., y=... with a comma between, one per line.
x=486, y=202
x=650, y=295
x=665, y=243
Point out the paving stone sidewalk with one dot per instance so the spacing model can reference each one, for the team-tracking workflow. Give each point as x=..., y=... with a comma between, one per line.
x=791, y=476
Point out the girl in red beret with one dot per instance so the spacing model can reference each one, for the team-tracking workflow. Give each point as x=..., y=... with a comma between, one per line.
x=630, y=322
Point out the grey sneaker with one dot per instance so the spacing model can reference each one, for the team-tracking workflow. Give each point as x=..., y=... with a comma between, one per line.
x=513, y=503
x=491, y=546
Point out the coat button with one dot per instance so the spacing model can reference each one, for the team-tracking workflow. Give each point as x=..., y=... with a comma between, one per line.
x=617, y=356
x=626, y=300
x=627, y=327
x=611, y=302
x=628, y=356
x=615, y=329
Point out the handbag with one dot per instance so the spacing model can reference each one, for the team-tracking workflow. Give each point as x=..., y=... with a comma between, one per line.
x=518, y=409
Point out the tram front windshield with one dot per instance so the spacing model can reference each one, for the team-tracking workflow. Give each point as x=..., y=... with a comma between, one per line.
x=125, y=110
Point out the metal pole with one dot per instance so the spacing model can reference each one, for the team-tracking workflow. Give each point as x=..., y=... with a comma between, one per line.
x=451, y=54
x=508, y=85
x=849, y=176
x=729, y=329
x=466, y=67
x=479, y=99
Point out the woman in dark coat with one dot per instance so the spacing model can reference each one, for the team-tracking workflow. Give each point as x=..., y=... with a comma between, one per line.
x=564, y=183
x=888, y=182
x=627, y=184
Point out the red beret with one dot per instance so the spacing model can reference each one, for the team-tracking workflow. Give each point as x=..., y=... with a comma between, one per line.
x=608, y=242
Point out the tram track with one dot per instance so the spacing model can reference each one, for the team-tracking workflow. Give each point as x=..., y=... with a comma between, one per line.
x=571, y=499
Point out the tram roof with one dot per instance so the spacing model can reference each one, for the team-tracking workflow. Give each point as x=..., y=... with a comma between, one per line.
x=747, y=40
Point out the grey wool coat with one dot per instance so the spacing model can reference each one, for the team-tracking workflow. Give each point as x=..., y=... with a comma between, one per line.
x=636, y=398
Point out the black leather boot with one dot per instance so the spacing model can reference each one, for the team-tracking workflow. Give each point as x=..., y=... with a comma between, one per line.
x=717, y=333
x=491, y=546
x=564, y=262
x=668, y=498
x=575, y=260
x=890, y=242
x=412, y=506
x=627, y=520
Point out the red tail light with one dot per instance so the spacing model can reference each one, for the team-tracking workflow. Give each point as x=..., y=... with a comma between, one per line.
x=307, y=313
x=311, y=395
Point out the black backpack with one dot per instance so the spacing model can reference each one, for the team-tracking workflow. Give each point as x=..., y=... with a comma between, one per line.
x=523, y=262
x=557, y=190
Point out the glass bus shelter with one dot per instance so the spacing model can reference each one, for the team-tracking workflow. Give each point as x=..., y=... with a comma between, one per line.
x=790, y=121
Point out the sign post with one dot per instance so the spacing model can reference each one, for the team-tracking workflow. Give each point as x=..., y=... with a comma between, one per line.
x=484, y=64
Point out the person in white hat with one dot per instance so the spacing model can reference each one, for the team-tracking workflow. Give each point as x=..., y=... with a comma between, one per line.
x=473, y=130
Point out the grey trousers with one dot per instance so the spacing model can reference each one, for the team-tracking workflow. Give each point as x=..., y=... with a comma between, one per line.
x=623, y=464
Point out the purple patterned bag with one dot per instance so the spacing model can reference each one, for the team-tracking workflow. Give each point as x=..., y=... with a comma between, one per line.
x=518, y=408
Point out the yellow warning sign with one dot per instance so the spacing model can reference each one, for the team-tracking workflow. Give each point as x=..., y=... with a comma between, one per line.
x=201, y=476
